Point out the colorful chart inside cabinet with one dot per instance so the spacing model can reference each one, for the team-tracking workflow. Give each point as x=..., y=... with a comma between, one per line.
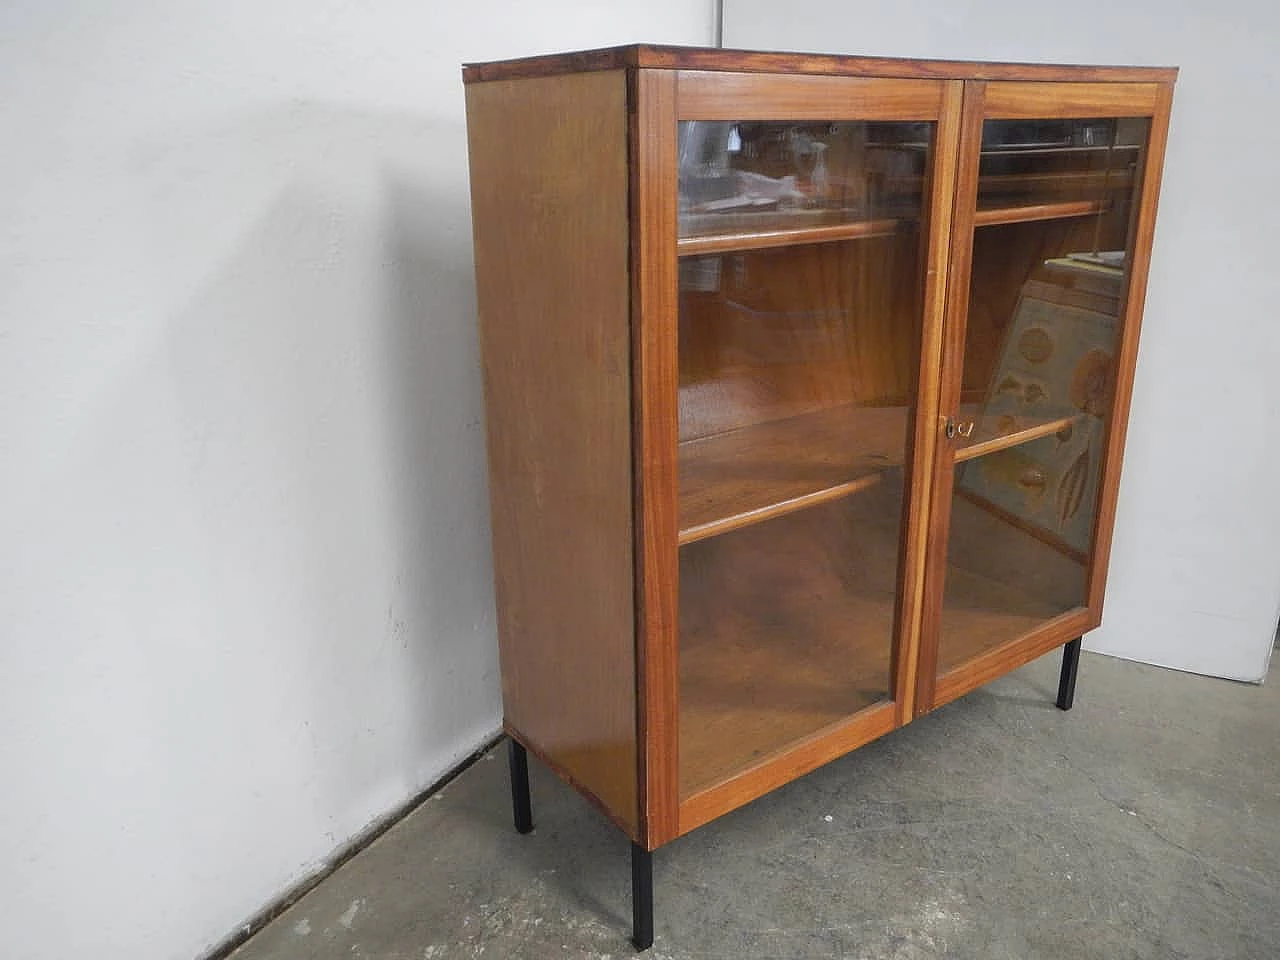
x=1057, y=359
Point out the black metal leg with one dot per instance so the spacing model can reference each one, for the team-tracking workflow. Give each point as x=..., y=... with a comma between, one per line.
x=1067, y=679
x=521, y=809
x=641, y=897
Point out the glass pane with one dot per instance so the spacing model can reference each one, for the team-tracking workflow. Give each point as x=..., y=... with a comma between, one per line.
x=754, y=176
x=1058, y=161
x=1043, y=328
x=797, y=391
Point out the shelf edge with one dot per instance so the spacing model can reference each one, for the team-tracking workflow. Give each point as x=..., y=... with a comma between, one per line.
x=1039, y=211
x=793, y=237
x=1018, y=437
x=745, y=519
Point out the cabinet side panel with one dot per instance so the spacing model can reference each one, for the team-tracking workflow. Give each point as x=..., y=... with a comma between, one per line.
x=549, y=205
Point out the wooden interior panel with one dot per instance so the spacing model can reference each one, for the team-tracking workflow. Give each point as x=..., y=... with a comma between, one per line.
x=800, y=329
x=551, y=252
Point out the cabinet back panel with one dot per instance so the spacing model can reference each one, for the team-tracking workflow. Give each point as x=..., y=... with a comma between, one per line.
x=1004, y=259
x=549, y=188
x=779, y=333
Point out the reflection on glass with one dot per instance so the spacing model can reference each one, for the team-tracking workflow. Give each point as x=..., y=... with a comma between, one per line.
x=1043, y=327
x=797, y=363
x=1058, y=161
x=741, y=176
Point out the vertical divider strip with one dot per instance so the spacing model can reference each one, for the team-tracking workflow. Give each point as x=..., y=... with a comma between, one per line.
x=941, y=181
x=952, y=371
x=654, y=379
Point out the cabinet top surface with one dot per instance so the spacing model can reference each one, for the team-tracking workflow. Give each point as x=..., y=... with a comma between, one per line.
x=646, y=56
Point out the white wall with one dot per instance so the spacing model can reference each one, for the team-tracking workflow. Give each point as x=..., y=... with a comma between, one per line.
x=1195, y=572
x=245, y=595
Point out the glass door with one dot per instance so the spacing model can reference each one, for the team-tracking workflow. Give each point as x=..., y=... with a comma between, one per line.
x=1035, y=347
x=802, y=286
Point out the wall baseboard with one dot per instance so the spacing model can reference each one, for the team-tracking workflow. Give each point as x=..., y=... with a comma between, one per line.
x=245, y=931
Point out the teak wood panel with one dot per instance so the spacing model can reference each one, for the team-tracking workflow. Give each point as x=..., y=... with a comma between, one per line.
x=654, y=284
x=1042, y=101
x=551, y=253
x=753, y=61
x=751, y=96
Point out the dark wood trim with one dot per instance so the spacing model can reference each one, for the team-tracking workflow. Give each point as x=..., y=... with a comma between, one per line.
x=707, y=58
x=654, y=293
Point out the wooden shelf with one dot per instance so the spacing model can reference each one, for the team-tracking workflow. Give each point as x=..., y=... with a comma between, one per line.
x=744, y=476
x=786, y=630
x=1000, y=433
x=782, y=236
x=1015, y=150
x=1038, y=211
x=735, y=479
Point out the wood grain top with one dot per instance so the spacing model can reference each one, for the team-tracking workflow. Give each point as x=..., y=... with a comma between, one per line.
x=706, y=58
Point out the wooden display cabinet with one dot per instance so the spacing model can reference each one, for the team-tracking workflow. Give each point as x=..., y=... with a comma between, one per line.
x=806, y=382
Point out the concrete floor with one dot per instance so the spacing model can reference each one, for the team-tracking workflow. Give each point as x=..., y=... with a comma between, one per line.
x=1143, y=824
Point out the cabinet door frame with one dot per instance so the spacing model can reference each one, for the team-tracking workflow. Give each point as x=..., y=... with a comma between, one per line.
x=999, y=100
x=659, y=99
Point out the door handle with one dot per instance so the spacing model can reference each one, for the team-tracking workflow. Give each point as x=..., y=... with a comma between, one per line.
x=964, y=430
